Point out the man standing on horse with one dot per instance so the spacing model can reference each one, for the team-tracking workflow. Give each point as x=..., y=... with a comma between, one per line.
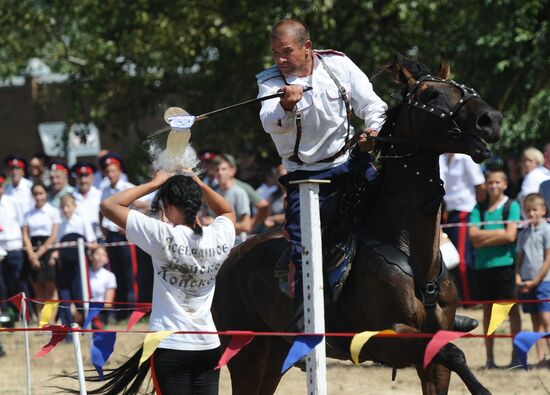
x=311, y=128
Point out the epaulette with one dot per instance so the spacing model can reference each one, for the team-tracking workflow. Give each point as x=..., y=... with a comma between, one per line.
x=328, y=52
x=268, y=74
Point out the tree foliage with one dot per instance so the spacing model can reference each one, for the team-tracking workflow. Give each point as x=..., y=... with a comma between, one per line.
x=126, y=59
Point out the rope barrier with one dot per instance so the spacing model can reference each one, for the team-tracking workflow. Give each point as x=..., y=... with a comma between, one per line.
x=254, y=333
x=138, y=305
x=71, y=244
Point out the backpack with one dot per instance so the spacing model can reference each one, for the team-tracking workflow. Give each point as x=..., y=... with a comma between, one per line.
x=484, y=205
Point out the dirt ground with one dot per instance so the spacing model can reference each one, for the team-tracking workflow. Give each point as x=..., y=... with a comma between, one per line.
x=342, y=378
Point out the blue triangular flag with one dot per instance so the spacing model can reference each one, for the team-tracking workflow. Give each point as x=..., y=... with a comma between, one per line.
x=102, y=348
x=95, y=309
x=523, y=342
x=301, y=347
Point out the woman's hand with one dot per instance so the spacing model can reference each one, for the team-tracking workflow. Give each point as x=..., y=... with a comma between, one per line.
x=160, y=177
x=54, y=257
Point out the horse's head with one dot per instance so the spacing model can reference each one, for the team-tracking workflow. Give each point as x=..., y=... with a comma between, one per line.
x=443, y=115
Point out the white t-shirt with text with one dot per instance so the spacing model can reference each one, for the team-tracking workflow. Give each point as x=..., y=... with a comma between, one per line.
x=185, y=265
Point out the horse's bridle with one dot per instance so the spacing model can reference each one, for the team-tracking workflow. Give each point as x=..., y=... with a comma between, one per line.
x=413, y=103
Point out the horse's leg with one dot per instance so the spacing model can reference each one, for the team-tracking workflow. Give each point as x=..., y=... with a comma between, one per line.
x=248, y=367
x=453, y=358
x=435, y=379
x=278, y=350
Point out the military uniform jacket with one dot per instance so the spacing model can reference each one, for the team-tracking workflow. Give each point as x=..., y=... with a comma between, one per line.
x=323, y=111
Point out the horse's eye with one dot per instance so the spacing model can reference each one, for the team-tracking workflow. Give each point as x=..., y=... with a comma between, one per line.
x=430, y=95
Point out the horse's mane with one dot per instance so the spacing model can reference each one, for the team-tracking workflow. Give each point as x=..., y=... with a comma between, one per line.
x=417, y=70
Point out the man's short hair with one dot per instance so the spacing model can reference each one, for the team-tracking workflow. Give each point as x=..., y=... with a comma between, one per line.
x=497, y=170
x=534, y=198
x=296, y=28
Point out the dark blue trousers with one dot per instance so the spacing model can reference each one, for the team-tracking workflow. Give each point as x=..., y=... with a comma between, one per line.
x=337, y=176
x=68, y=278
x=12, y=274
x=120, y=260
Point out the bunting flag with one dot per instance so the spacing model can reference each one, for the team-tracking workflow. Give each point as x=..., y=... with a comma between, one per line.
x=359, y=341
x=18, y=301
x=151, y=343
x=47, y=312
x=237, y=343
x=302, y=346
x=58, y=334
x=499, y=312
x=523, y=342
x=136, y=316
x=95, y=309
x=102, y=347
x=438, y=342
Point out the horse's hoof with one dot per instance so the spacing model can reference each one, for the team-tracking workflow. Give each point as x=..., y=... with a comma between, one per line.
x=464, y=324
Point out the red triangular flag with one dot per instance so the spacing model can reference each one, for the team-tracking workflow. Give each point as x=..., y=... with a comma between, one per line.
x=136, y=316
x=58, y=333
x=236, y=344
x=17, y=300
x=438, y=342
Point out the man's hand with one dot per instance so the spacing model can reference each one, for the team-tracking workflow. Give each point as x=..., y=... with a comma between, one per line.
x=366, y=145
x=292, y=95
x=527, y=286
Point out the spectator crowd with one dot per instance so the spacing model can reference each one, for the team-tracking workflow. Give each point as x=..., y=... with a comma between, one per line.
x=44, y=202
x=497, y=220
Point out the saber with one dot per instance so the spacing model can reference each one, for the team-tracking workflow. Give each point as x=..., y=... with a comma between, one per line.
x=178, y=118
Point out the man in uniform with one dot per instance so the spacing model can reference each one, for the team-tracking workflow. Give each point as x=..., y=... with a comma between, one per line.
x=311, y=129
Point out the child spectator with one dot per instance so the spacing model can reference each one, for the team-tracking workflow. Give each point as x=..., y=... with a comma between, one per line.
x=102, y=281
x=532, y=264
x=494, y=263
x=72, y=228
x=40, y=226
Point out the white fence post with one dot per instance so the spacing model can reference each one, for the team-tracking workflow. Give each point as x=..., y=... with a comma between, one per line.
x=312, y=274
x=27, y=346
x=83, y=276
x=78, y=357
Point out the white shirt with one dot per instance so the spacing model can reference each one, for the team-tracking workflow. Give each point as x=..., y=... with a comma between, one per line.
x=76, y=224
x=533, y=179
x=41, y=220
x=101, y=281
x=460, y=176
x=10, y=224
x=88, y=207
x=324, y=119
x=108, y=191
x=22, y=195
x=186, y=266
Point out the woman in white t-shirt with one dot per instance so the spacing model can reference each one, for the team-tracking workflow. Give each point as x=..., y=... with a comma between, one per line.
x=186, y=259
x=40, y=226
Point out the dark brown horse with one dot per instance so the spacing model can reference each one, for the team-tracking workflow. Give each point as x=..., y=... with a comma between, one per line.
x=435, y=116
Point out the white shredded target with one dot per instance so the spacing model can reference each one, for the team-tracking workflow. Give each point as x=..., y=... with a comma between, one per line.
x=163, y=160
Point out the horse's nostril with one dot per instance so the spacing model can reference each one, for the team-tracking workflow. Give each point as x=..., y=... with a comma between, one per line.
x=484, y=121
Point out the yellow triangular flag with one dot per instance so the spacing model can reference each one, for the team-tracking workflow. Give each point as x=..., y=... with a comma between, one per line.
x=47, y=312
x=151, y=343
x=499, y=312
x=359, y=341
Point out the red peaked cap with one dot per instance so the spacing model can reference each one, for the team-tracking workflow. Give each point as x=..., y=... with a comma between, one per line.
x=16, y=161
x=59, y=166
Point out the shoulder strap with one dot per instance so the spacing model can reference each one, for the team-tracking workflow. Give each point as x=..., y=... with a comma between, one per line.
x=268, y=74
x=482, y=206
x=506, y=209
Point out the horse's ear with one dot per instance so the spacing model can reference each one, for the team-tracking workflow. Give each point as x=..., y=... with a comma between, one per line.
x=400, y=72
x=444, y=69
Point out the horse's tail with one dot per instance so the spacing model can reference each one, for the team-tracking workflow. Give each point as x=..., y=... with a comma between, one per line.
x=126, y=379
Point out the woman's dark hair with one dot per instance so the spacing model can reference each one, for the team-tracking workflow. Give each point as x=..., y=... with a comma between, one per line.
x=126, y=379
x=182, y=192
x=37, y=185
